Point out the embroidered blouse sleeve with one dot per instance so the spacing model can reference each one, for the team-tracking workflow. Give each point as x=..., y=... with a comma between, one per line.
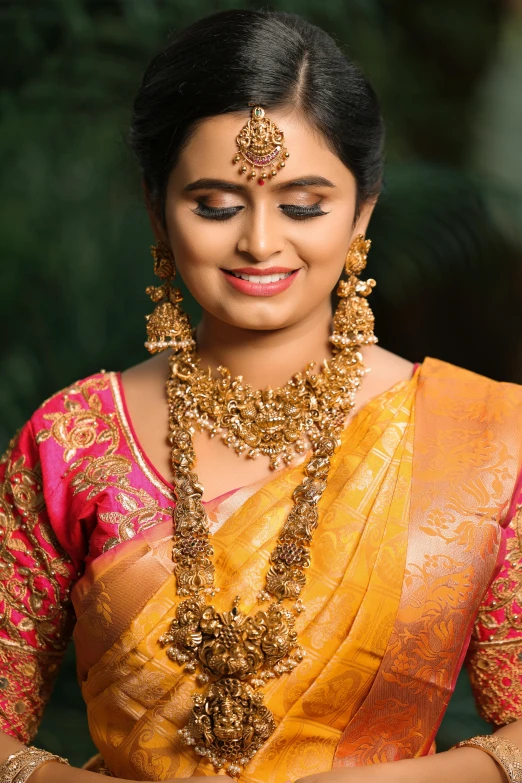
x=495, y=653
x=36, y=576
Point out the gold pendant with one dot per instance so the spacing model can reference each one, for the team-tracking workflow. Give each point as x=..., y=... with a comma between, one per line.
x=230, y=644
x=228, y=724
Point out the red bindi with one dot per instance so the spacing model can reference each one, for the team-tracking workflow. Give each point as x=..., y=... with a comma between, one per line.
x=260, y=181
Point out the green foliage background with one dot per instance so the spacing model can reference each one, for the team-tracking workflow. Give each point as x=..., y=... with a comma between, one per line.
x=74, y=238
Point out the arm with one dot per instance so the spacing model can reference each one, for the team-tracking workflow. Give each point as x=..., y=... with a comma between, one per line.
x=35, y=611
x=36, y=616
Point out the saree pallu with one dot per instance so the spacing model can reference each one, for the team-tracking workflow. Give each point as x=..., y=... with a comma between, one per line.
x=409, y=534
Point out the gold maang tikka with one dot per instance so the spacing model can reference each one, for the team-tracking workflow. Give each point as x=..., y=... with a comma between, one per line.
x=261, y=146
x=168, y=326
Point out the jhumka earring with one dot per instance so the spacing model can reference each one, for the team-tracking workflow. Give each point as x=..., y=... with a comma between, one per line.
x=261, y=145
x=167, y=326
x=353, y=320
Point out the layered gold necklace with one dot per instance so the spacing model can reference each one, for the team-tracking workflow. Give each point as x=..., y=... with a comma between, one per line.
x=237, y=654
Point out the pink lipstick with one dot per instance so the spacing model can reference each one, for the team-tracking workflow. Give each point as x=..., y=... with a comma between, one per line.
x=260, y=282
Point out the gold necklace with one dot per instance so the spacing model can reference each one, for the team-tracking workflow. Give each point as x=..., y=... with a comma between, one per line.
x=270, y=422
x=238, y=654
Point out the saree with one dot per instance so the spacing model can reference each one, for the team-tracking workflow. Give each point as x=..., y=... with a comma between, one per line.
x=402, y=556
x=416, y=564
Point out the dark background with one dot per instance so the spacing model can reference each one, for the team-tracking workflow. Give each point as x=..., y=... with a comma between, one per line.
x=74, y=238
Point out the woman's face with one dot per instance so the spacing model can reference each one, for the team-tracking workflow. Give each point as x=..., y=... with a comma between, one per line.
x=221, y=224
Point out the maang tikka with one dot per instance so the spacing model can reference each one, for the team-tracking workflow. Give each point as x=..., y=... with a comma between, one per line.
x=261, y=145
x=168, y=326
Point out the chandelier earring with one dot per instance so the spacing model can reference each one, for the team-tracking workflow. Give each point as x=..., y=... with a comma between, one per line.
x=167, y=326
x=353, y=321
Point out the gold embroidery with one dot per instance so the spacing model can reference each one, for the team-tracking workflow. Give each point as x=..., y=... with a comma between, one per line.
x=495, y=662
x=25, y=687
x=32, y=601
x=84, y=424
x=23, y=523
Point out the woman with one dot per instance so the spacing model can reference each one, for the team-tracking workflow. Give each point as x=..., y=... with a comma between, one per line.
x=308, y=612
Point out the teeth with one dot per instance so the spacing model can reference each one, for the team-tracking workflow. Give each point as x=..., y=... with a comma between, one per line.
x=262, y=279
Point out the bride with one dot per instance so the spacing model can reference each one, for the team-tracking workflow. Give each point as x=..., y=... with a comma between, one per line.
x=294, y=596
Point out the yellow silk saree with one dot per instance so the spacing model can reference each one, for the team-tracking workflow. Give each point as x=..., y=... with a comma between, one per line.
x=410, y=533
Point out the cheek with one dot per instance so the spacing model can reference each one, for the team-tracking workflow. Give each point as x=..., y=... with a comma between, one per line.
x=323, y=247
x=197, y=242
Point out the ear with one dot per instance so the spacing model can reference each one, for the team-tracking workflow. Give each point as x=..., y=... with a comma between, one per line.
x=156, y=223
x=363, y=220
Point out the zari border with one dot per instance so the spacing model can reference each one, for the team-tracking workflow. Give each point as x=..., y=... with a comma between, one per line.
x=466, y=457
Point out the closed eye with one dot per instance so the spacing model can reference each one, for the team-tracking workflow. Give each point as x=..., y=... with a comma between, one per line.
x=292, y=211
x=302, y=213
x=216, y=213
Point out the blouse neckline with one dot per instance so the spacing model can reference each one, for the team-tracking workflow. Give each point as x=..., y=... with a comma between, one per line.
x=146, y=464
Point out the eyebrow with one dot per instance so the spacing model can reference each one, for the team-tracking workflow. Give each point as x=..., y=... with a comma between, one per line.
x=221, y=184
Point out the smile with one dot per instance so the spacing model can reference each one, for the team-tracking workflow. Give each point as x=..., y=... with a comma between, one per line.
x=262, y=279
x=252, y=283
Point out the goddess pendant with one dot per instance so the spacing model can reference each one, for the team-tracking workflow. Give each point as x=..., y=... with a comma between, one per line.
x=229, y=722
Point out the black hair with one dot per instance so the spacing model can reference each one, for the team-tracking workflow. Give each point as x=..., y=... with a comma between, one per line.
x=226, y=61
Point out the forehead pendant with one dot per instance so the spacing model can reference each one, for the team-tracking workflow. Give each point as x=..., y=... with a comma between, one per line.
x=261, y=147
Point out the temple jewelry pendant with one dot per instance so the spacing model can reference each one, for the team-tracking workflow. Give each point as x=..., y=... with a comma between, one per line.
x=229, y=722
x=261, y=146
x=230, y=644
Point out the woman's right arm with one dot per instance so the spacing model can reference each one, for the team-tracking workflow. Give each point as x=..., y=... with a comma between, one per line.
x=36, y=615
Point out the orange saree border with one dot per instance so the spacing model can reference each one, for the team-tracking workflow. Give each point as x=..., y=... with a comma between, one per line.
x=467, y=451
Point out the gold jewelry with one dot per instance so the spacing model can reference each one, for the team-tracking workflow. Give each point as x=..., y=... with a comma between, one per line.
x=261, y=146
x=168, y=326
x=19, y=766
x=505, y=753
x=278, y=422
x=238, y=654
x=353, y=321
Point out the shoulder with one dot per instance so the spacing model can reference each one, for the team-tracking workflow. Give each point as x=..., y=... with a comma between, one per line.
x=94, y=394
x=75, y=421
x=474, y=394
x=72, y=415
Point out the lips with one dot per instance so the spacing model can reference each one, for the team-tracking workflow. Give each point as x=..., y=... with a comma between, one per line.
x=260, y=282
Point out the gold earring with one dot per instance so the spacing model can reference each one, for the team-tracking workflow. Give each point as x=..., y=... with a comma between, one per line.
x=353, y=321
x=167, y=326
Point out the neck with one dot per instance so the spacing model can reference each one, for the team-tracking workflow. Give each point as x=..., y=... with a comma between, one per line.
x=265, y=358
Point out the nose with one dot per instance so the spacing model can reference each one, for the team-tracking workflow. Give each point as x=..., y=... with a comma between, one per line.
x=260, y=237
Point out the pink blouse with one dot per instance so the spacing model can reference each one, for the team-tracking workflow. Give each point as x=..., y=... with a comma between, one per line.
x=75, y=482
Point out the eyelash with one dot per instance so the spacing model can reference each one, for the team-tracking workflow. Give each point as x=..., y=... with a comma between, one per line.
x=225, y=213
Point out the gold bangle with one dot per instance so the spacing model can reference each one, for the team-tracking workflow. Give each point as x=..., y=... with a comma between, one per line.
x=19, y=766
x=507, y=755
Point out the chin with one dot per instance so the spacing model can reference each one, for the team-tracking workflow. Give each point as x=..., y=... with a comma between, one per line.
x=254, y=317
